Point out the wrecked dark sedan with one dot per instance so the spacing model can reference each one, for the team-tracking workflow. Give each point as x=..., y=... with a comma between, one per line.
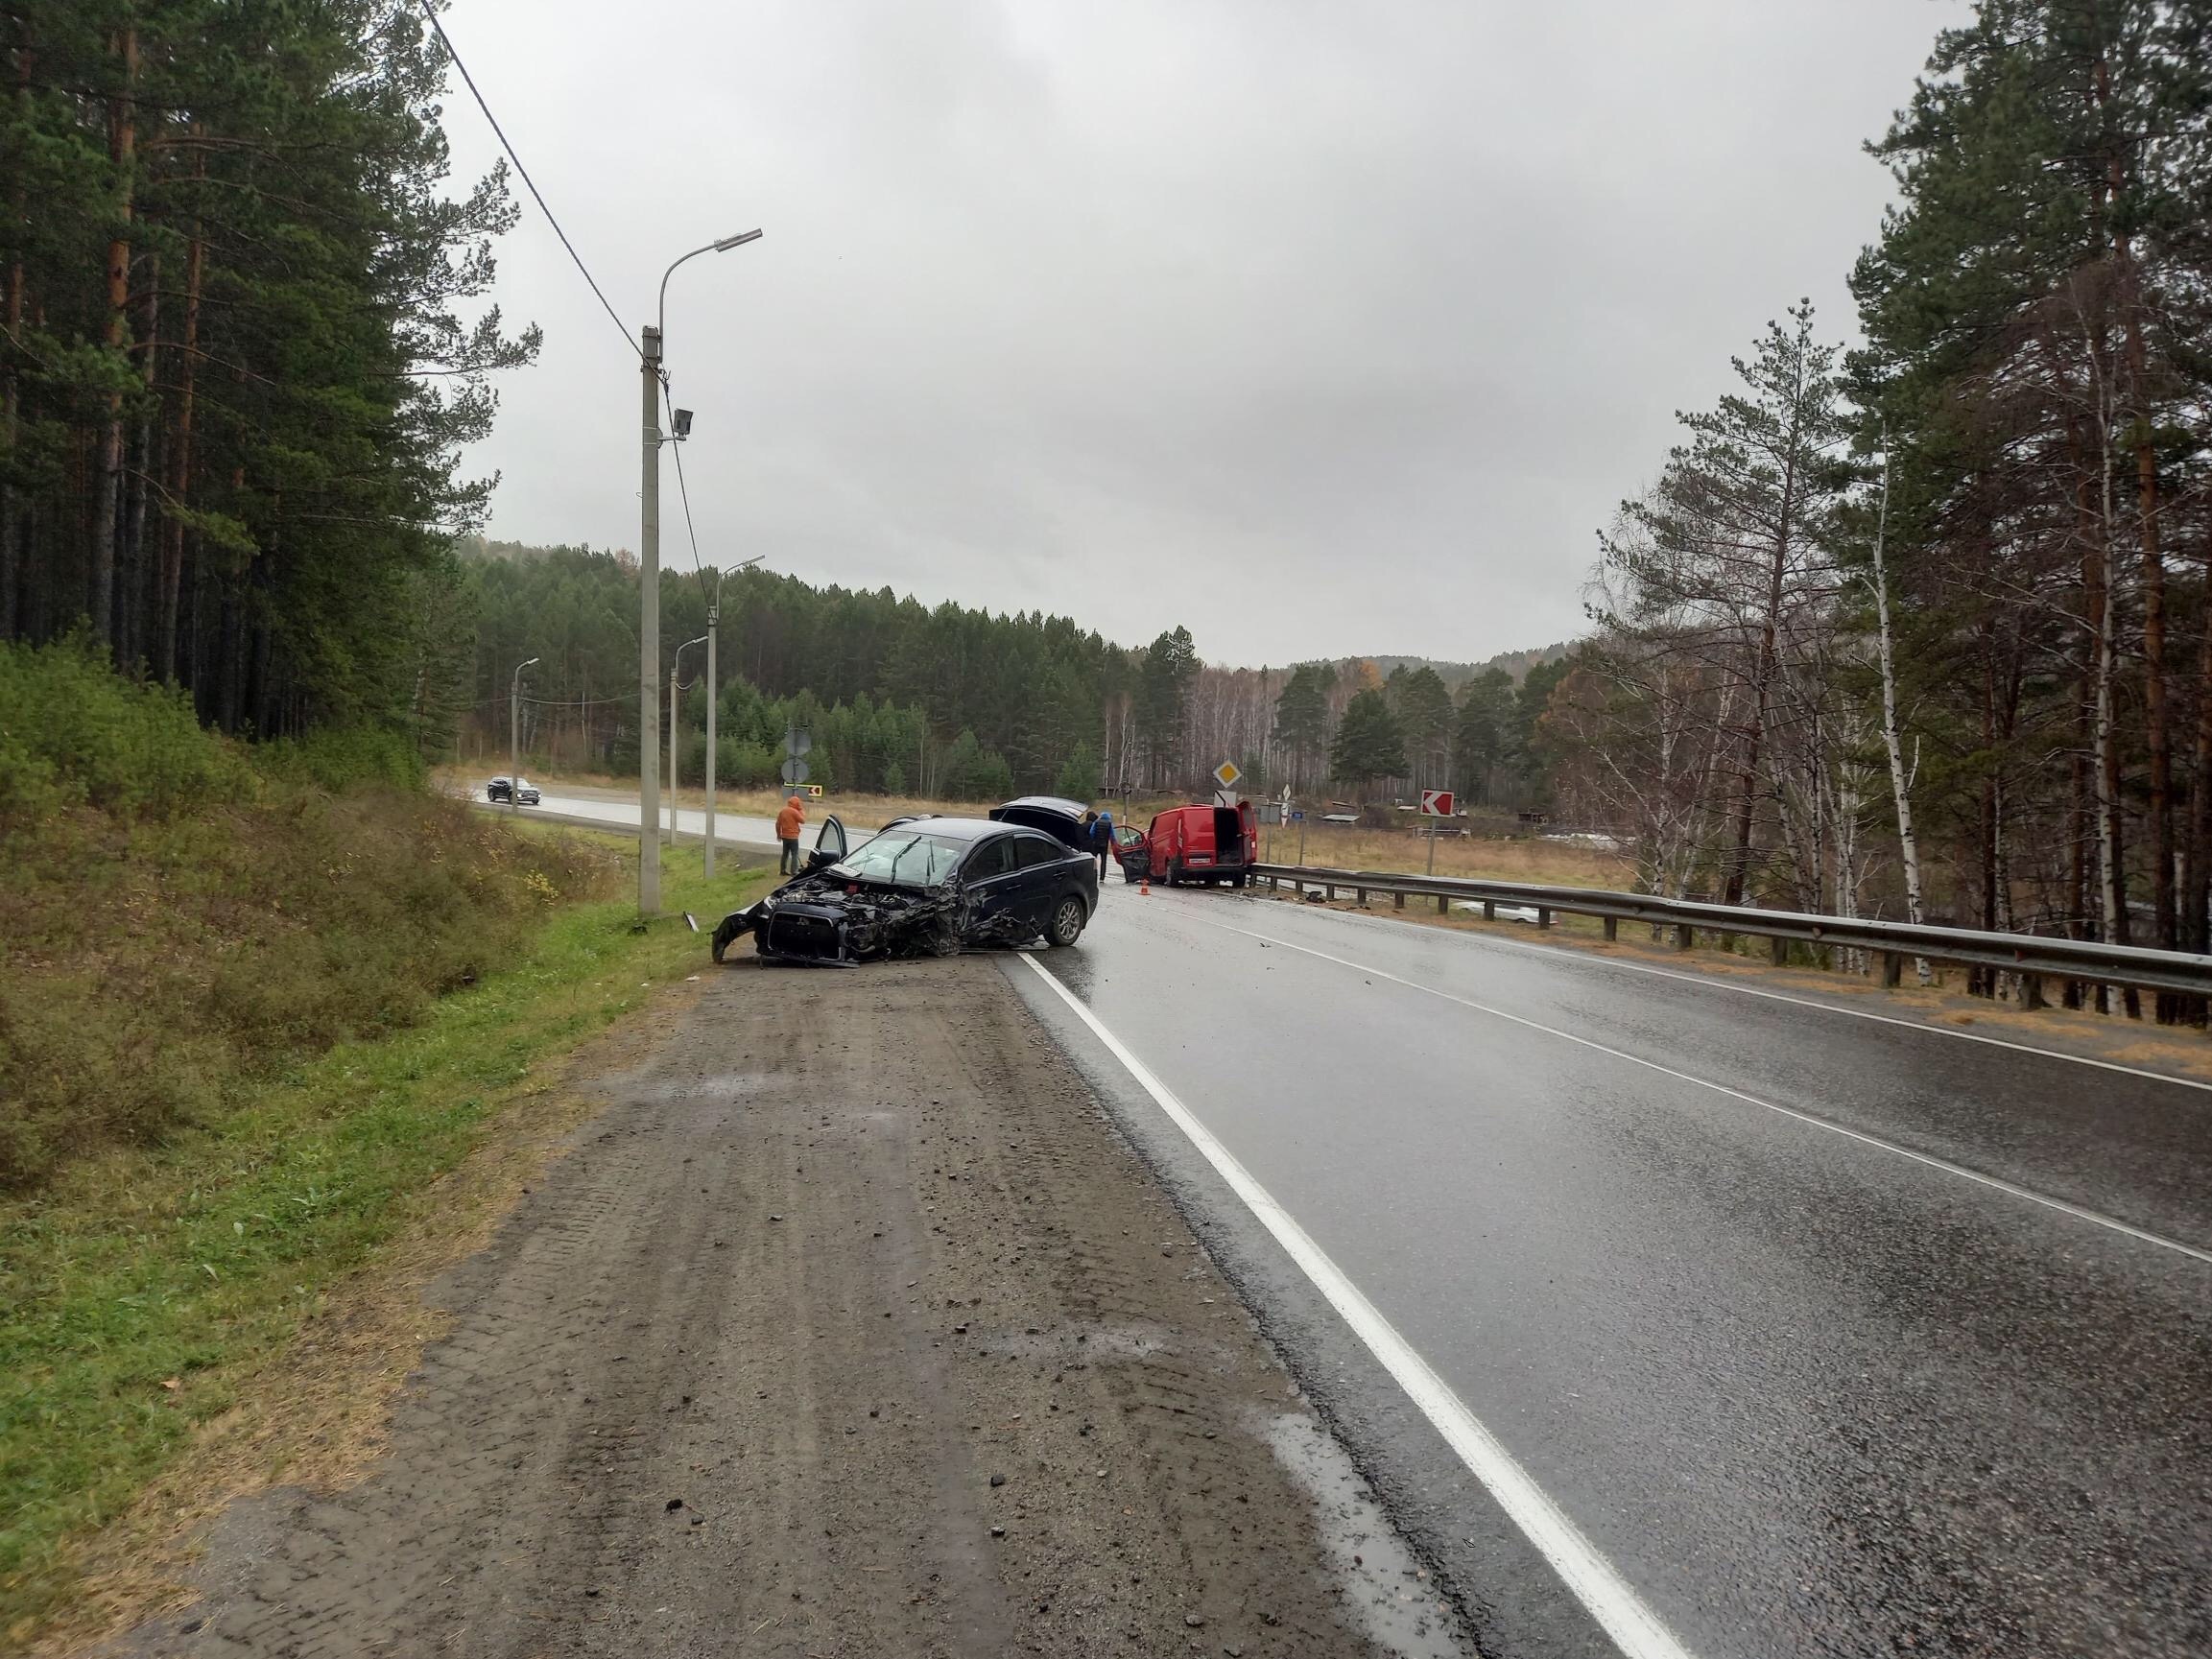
x=930, y=886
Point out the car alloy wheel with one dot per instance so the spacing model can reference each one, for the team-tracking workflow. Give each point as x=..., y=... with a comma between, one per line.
x=1067, y=919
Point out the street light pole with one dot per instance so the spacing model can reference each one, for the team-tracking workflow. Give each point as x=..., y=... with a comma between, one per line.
x=649, y=640
x=676, y=776
x=649, y=599
x=514, y=736
x=713, y=696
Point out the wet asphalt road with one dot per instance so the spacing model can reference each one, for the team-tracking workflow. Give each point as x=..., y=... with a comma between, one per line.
x=1809, y=1393
x=728, y=827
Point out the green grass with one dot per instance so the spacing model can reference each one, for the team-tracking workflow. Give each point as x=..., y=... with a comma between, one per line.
x=192, y=1263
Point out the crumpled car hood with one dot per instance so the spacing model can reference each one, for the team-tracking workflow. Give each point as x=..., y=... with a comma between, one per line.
x=822, y=920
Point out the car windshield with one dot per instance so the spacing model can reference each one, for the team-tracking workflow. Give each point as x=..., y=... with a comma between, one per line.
x=904, y=858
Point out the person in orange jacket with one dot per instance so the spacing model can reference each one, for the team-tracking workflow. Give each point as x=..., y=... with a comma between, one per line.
x=788, y=823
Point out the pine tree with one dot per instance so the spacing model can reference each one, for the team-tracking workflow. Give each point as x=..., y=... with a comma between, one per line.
x=1079, y=774
x=1302, y=719
x=1482, y=733
x=1368, y=745
x=1423, y=705
x=1163, y=686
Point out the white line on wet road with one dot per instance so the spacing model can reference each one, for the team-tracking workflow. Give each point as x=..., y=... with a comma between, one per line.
x=1595, y=1582
x=2096, y=1218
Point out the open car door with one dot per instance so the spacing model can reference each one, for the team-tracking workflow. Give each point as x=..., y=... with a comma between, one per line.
x=829, y=843
x=1133, y=852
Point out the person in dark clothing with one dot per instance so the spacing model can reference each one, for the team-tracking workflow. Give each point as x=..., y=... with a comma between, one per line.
x=1102, y=836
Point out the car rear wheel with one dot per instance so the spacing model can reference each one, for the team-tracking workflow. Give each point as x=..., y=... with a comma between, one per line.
x=1067, y=920
x=1175, y=875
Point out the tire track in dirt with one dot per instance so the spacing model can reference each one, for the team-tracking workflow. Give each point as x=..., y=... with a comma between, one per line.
x=847, y=1327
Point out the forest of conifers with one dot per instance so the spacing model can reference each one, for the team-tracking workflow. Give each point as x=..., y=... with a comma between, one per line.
x=950, y=701
x=233, y=386
x=1924, y=626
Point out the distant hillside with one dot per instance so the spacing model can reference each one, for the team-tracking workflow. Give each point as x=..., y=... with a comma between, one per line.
x=1455, y=674
x=1517, y=663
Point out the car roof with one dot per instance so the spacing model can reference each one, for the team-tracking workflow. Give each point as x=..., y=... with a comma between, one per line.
x=958, y=829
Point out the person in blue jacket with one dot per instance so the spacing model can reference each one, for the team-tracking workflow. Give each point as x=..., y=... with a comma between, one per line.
x=1102, y=837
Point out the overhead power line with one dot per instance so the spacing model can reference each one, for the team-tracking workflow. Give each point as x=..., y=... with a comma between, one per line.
x=429, y=10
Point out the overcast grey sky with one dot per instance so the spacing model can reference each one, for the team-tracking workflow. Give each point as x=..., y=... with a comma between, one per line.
x=1319, y=327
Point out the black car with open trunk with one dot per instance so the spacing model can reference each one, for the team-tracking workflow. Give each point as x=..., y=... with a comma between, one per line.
x=923, y=887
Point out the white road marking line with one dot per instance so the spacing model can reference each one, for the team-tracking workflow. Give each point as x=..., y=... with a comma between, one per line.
x=1636, y=1630
x=2097, y=1217
x=1718, y=983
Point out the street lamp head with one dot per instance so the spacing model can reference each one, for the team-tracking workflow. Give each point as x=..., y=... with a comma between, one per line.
x=520, y=665
x=682, y=424
x=737, y=241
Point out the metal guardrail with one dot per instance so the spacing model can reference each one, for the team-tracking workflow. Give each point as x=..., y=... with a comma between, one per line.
x=2031, y=956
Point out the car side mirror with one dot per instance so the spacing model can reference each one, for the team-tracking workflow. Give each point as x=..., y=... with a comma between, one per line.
x=819, y=861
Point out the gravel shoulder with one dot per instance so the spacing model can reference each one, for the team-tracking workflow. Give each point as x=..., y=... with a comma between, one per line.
x=847, y=1326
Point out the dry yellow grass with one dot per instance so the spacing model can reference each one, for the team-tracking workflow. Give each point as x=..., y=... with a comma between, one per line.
x=1345, y=846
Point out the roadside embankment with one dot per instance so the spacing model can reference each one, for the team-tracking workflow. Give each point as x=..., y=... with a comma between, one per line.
x=845, y=1325
x=255, y=1004
x=181, y=915
x=229, y=1307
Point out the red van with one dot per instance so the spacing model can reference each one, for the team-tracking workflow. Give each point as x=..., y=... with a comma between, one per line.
x=1193, y=843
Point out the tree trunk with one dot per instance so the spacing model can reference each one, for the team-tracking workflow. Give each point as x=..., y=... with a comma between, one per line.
x=132, y=609
x=2105, y=769
x=122, y=148
x=171, y=563
x=12, y=539
x=1892, y=737
x=2197, y=876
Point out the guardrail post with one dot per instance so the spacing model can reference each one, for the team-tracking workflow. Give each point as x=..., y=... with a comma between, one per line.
x=1330, y=887
x=1490, y=910
x=1359, y=897
x=2032, y=991
x=1612, y=929
x=1685, y=935
x=1443, y=904
x=1892, y=969
x=1543, y=917
x=1398, y=901
x=1779, y=950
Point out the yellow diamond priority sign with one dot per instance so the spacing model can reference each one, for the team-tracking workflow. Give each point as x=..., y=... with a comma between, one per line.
x=1226, y=774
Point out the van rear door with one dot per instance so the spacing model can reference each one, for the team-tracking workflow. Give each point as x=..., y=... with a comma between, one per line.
x=1229, y=827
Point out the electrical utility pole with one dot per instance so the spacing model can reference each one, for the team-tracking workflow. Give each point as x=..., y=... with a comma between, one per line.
x=674, y=775
x=514, y=737
x=649, y=641
x=713, y=695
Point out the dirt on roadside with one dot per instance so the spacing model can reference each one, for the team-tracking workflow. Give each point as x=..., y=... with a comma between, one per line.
x=849, y=1326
